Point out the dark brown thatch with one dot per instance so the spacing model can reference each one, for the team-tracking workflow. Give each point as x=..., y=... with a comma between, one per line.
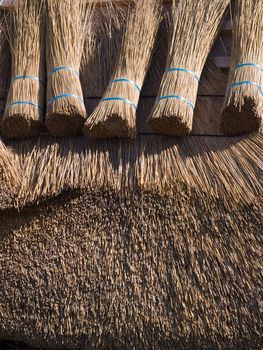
x=143, y=270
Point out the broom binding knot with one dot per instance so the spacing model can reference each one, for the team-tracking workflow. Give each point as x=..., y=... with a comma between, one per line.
x=178, y=97
x=246, y=82
x=248, y=64
x=185, y=70
x=64, y=96
x=63, y=68
x=126, y=80
x=18, y=77
x=125, y=100
x=25, y=103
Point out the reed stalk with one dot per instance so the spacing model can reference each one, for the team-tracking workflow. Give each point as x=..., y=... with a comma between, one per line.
x=24, y=112
x=243, y=107
x=193, y=29
x=66, y=28
x=115, y=115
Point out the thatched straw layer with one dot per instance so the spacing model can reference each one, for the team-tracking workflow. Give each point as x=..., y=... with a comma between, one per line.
x=66, y=30
x=152, y=163
x=10, y=178
x=141, y=271
x=116, y=114
x=243, y=109
x=193, y=28
x=25, y=106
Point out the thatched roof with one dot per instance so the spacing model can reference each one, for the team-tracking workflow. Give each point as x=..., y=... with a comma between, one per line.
x=147, y=245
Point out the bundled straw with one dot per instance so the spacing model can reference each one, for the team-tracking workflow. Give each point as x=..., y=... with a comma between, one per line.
x=66, y=29
x=101, y=48
x=115, y=116
x=5, y=62
x=24, y=111
x=243, y=108
x=194, y=26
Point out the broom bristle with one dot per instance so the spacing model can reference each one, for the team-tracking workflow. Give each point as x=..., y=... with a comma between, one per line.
x=65, y=114
x=243, y=108
x=116, y=114
x=194, y=26
x=24, y=110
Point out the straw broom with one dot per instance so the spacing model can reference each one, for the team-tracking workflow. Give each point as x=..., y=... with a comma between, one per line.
x=115, y=115
x=66, y=27
x=194, y=26
x=24, y=110
x=243, y=107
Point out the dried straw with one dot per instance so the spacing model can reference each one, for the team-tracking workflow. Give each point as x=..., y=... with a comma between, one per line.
x=66, y=30
x=99, y=270
x=10, y=177
x=24, y=111
x=194, y=26
x=101, y=49
x=151, y=163
x=116, y=114
x=243, y=108
x=5, y=62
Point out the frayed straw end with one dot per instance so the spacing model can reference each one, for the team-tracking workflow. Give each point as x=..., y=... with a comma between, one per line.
x=240, y=120
x=114, y=126
x=64, y=125
x=171, y=125
x=20, y=126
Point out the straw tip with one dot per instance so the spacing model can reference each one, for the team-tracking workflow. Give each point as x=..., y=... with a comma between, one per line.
x=240, y=120
x=65, y=125
x=114, y=126
x=171, y=126
x=19, y=126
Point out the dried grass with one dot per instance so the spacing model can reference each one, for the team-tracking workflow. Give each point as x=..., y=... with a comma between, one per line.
x=24, y=111
x=101, y=48
x=243, y=108
x=10, y=178
x=229, y=168
x=116, y=114
x=99, y=270
x=194, y=26
x=66, y=28
x=5, y=60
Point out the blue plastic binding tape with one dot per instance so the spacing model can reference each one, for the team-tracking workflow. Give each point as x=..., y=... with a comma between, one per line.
x=178, y=98
x=63, y=68
x=28, y=77
x=126, y=80
x=247, y=82
x=248, y=64
x=197, y=76
x=64, y=96
x=25, y=103
x=119, y=99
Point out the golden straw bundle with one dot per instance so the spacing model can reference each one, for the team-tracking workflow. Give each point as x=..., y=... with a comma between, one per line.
x=193, y=28
x=66, y=27
x=5, y=62
x=24, y=110
x=101, y=49
x=243, y=108
x=115, y=115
